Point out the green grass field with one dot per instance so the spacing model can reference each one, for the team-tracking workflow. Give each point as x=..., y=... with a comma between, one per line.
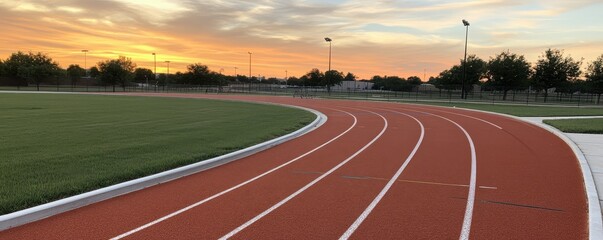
x=593, y=125
x=57, y=145
x=526, y=111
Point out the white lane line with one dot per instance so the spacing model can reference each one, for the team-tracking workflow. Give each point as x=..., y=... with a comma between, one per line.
x=479, y=119
x=466, y=229
x=237, y=186
x=394, y=178
x=459, y=114
x=282, y=202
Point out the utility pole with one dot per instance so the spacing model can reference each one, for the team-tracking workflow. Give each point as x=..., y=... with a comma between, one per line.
x=463, y=93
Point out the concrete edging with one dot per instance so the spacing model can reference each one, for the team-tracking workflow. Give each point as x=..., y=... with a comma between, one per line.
x=595, y=222
x=63, y=205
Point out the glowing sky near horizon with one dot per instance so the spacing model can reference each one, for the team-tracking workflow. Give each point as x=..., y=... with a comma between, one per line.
x=379, y=37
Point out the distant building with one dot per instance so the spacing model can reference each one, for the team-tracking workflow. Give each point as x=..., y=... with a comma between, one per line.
x=427, y=87
x=353, y=85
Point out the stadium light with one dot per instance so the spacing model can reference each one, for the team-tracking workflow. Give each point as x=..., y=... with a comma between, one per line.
x=85, y=51
x=155, y=64
x=463, y=93
x=329, y=40
x=168, y=73
x=249, y=71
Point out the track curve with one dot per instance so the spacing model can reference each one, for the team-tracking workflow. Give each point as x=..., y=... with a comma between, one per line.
x=373, y=170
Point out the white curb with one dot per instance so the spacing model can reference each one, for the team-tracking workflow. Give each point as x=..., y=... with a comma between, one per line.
x=595, y=222
x=49, y=209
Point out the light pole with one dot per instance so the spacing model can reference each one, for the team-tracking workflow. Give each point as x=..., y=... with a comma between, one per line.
x=463, y=94
x=236, y=73
x=85, y=51
x=155, y=63
x=249, y=65
x=249, y=71
x=168, y=73
x=327, y=75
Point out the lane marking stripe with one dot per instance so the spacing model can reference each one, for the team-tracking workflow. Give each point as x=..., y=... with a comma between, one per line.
x=414, y=109
x=479, y=119
x=282, y=202
x=377, y=199
x=466, y=229
x=237, y=186
x=400, y=180
x=467, y=219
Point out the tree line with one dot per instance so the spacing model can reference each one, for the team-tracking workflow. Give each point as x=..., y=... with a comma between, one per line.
x=504, y=72
x=24, y=69
x=510, y=71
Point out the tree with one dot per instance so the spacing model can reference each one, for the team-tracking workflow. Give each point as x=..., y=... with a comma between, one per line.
x=449, y=79
x=95, y=73
x=198, y=74
x=242, y=78
x=31, y=67
x=553, y=70
x=313, y=78
x=13, y=66
x=475, y=71
x=215, y=78
x=508, y=71
x=594, y=77
x=161, y=79
x=2, y=71
x=117, y=71
x=392, y=83
x=414, y=80
x=453, y=78
x=293, y=81
x=272, y=80
x=75, y=73
x=333, y=77
x=350, y=77
x=144, y=75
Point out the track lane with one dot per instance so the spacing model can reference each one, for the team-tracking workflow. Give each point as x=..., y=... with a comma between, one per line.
x=530, y=200
x=540, y=189
x=115, y=216
x=236, y=207
x=389, y=184
x=534, y=175
x=309, y=185
x=330, y=206
x=419, y=205
x=150, y=224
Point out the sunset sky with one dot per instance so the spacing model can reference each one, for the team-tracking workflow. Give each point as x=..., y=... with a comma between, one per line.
x=377, y=37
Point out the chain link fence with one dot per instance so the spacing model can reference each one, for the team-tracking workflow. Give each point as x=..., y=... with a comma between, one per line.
x=425, y=92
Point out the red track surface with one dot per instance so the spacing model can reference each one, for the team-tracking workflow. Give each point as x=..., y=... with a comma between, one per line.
x=528, y=184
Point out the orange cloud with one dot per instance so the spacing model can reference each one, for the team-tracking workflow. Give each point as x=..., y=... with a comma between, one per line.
x=381, y=37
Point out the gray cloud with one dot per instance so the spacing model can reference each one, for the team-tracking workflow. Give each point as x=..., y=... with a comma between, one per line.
x=370, y=37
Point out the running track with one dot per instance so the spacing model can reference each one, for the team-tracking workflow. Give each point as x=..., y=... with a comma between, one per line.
x=372, y=171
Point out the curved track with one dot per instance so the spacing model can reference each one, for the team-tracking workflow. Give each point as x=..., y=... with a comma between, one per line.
x=373, y=171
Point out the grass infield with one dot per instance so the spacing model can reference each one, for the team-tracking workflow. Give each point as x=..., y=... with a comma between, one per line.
x=593, y=125
x=527, y=111
x=54, y=145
